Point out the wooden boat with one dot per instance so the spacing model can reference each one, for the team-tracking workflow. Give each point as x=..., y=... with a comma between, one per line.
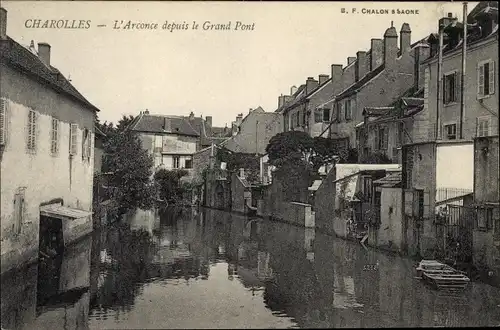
x=441, y=275
x=446, y=280
x=433, y=266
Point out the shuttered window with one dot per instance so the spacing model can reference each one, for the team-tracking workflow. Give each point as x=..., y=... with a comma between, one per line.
x=483, y=126
x=485, y=78
x=73, y=139
x=31, y=130
x=86, y=145
x=3, y=121
x=451, y=88
x=54, y=137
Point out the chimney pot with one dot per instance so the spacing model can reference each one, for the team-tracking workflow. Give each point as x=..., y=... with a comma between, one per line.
x=44, y=52
x=191, y=115
x=361, y=68
x=146, y=112
x=208, y=119
x=3, y=23
x=377, y=53
x=405, y=38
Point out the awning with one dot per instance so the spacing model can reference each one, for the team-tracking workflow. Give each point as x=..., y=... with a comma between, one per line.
x=63, y=212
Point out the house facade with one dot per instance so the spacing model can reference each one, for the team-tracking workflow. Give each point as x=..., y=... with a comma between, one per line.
x=375, y=78
x=453, y=115
x=46, y=140
x=172, y=140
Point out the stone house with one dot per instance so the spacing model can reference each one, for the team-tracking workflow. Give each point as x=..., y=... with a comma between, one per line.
x=172, y=140
x=453, y=115
x=47, y=141
x=372, y=79
x=253, y=132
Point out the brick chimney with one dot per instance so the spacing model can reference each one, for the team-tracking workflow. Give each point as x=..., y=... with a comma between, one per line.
x=337, y=72
x=208, y=120
x=350, y=60
x=44, y=53
x=405, y=38
x=322, y=78
x=421, y=52
x=3, y=23
x=311, y=84
x=443, y=22
x=390, y=47
x=146, y=112
x=239, y=118
x=167, y=125
x=377, y=53
x=361, y=68
x=282, y=99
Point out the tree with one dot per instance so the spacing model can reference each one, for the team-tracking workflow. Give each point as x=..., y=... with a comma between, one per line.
x=131, y=168
x=299, y=148
x=169, y=183
x=236, y=160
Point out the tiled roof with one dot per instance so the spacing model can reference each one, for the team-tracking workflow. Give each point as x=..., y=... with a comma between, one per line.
x=155, y=124
x=376, y=111
x=360, y=83
x=297, y=98
x=413, y=101
x=25, y=61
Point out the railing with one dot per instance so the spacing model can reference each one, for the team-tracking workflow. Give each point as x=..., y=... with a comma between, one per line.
x=443, y=194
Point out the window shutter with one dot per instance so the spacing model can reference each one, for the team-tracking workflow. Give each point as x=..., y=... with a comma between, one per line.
x=426, y=210
x=3, y=121
x=376, y=140
x=89, y=146
x=31, y=143
x=73, y=139
x=386, y=138
x=480, y=80
x=457, y=86
x=492, y=77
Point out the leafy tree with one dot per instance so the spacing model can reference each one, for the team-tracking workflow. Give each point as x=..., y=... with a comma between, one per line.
x=299, y=148
x=236, y=160
x=169, y=182
x=131, y=168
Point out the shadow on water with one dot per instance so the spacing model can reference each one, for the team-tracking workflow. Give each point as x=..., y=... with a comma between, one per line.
x=197, y=268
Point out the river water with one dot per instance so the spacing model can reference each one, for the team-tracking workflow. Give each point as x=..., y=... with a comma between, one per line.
x=212, y=269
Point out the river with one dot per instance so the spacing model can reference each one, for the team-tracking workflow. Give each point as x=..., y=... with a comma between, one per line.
x=213, y=269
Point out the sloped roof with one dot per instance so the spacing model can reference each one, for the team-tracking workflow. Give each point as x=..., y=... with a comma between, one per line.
x=376, y=111
x=22, y=59
x=298, y=97
x=391, y=180
x=155, y=124
x=360, y=83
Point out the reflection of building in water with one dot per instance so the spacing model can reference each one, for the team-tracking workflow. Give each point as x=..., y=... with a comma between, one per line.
x=18, y=296
x=143, y=220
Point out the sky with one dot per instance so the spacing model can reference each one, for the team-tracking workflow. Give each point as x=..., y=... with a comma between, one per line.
x=217, y=73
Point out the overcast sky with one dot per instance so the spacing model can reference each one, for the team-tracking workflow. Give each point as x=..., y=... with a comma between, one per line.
x=212, y=73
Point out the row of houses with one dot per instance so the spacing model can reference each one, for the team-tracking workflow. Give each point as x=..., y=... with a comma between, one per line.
x=430, y=108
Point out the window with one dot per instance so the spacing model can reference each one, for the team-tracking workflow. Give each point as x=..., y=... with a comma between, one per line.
x=54, y=137
x=483, y=126
x=485, y=218
x=450, y=88
x=297, y=118
x=73, y=139
x=176, y=162
x=348, y=110
x=188, y=163
x=3, y=121
x=451, y=131
x=31, y=143
x=326, y=114
x=86, y=145
x=367, y=187
x=18, y=212
x=340, y=109
x=486, y=78
x=383, y=138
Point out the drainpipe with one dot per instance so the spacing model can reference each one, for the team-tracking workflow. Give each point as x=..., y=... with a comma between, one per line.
x=440, y=83
x=462, y=86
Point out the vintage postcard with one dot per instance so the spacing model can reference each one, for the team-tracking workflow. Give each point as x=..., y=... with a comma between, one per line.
x=238, y=164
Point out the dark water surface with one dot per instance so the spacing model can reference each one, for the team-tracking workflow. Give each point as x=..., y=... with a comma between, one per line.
x=212, y=269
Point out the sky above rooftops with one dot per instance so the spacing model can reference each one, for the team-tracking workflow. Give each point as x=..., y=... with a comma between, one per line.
x=212, y=73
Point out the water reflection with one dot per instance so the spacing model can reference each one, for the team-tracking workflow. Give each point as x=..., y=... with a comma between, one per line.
x=183, y=268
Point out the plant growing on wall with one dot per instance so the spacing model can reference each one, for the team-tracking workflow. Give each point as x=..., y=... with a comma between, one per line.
x=236, y=160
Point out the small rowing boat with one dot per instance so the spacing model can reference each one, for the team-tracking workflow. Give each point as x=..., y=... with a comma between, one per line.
x=441, y=275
